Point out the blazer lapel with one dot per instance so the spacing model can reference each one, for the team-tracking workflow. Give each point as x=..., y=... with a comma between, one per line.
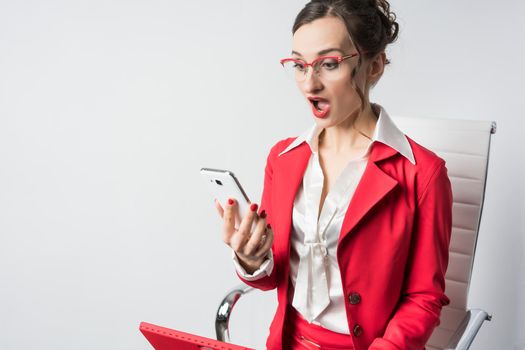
x=292, y=166
x=372, y=187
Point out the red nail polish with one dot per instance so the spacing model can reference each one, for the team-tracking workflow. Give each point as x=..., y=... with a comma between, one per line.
x=268, y=226
x=230, y=201
x=263, y=214
x=254, y=207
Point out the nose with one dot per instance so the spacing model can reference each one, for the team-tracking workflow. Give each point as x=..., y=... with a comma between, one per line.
x=311, y=82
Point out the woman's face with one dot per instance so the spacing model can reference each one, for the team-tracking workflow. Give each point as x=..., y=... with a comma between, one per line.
x=328, y=36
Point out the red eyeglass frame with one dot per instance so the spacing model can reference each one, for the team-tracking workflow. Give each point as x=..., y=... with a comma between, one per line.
x=339, y=59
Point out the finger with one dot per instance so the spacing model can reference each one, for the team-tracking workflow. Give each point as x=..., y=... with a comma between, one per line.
x=229, y=220
x=246, y=226
x=219, y=208
x=242, y=235
x=267, y=244
x=257, y=235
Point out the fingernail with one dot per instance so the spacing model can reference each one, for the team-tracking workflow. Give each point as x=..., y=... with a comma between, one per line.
x=268, y=226
x=254, y=207
x=230, y=201
x=263, y=214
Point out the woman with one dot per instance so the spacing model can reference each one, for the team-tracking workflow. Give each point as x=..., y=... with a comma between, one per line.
x=355, y=219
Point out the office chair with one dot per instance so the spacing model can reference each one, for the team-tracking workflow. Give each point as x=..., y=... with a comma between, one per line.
x=465, y=146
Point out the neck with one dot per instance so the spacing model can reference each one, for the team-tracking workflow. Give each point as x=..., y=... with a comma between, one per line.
x=355, y=132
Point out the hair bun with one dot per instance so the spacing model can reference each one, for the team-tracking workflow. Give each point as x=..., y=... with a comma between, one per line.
x=388, y=18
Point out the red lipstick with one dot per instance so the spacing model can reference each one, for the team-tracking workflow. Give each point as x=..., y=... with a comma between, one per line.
x=320, y=106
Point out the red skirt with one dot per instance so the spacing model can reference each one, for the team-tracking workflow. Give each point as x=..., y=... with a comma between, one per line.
x=298, y=334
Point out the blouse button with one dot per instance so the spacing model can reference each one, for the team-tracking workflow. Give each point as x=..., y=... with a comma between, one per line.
x=354, y=298
x=358, y=330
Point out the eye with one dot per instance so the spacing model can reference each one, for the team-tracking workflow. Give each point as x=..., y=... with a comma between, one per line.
x=329, y=64
x=298, y=66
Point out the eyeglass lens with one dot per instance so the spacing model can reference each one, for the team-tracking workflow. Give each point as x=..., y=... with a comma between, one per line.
x=327, y=68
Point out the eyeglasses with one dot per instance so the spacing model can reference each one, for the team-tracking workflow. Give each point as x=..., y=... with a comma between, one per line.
x=325, y=67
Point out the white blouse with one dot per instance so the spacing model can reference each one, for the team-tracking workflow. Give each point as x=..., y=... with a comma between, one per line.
x=314, y=271
x=317, y=290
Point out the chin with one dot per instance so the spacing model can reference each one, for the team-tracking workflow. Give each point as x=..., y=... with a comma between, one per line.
x=326, y=122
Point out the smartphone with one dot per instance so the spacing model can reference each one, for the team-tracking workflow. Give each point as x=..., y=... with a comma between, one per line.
x=223, y=185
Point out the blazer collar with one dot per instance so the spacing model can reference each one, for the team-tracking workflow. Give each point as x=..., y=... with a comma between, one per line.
x=385, y=132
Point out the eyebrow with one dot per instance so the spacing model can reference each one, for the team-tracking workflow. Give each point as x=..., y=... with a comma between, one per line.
x=322, y=52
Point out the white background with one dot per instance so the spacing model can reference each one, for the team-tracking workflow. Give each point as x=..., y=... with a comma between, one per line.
x=108, y=109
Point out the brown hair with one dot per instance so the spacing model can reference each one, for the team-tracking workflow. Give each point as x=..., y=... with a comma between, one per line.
x=370, y=24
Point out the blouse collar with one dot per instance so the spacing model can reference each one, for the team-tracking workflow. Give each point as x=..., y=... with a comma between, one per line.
x=385, y=132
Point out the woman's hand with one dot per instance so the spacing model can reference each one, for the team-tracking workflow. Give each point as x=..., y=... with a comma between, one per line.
x=251, y=248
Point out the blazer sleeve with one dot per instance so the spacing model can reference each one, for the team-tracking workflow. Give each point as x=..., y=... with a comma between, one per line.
x=423, y=295
x=267, y=282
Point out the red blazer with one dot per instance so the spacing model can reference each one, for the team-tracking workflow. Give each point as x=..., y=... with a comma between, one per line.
x=392, y=249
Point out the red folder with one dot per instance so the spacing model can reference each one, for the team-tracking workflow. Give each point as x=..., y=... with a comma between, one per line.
x=169, y=339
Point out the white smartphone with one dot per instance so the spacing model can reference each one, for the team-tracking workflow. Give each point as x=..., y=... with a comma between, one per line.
x=224, y=185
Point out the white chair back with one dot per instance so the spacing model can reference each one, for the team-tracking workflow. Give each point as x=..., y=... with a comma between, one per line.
x=465, y=146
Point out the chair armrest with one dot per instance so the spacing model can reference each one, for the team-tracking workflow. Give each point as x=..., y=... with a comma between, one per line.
x=467, y=330
x=222, y=319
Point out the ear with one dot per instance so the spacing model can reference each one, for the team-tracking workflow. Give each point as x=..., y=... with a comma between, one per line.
x=376, y=67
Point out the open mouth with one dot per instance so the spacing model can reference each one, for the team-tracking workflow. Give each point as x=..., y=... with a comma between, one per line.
x=319, y=103
x=320, y=106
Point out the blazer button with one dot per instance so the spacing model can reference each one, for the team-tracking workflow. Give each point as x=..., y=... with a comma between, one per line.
x=354, y=298
x=358, y=330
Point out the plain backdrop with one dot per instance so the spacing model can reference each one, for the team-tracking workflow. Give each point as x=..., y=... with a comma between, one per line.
x=108, y=109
